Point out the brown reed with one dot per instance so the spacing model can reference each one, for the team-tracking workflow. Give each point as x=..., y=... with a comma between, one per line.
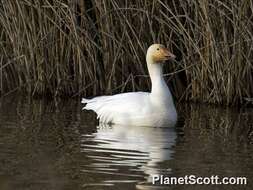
x=74, y=48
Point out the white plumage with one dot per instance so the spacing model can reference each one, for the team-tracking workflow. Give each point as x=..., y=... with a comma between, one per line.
x=140, y=108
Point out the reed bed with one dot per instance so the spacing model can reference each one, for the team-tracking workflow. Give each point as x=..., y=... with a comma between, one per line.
x=93, y=47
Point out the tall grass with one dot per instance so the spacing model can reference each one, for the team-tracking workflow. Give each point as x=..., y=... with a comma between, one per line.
x=86, y=47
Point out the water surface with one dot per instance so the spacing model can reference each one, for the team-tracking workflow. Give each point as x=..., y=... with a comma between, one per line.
x=54, y=145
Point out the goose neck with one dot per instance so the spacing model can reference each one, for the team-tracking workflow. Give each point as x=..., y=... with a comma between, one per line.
x=155, y=70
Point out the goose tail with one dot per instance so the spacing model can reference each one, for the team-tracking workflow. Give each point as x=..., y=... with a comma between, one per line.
x=85, y=101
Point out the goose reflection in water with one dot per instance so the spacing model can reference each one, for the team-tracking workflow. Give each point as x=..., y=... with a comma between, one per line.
x=124, y=154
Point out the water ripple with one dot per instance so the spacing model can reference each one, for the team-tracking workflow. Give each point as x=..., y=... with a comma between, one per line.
x=124, y=154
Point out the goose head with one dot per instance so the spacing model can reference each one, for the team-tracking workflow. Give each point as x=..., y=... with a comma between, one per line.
x=157, y=53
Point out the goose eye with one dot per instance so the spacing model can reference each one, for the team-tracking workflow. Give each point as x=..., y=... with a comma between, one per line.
x=158, y=49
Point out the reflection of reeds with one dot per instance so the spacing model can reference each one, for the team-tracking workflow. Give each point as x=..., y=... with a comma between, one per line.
x=217, y=139
x=228, y=123
x=92, y=47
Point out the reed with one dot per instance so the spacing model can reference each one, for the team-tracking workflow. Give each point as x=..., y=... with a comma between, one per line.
x=73, y=48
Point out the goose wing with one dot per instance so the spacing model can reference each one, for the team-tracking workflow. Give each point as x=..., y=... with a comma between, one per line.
x=124, y=105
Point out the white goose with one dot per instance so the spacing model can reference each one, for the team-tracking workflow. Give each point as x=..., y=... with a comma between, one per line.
x=140, y=108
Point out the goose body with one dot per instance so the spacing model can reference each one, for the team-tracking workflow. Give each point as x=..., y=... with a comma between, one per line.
x=155, y=108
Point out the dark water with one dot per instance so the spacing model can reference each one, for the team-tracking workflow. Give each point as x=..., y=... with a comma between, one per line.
x=54, y=145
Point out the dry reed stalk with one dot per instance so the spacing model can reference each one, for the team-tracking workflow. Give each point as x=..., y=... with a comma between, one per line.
x=94, y=47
